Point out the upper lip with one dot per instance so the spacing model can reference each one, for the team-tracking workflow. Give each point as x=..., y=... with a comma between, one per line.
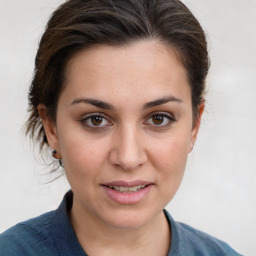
x=121, y=183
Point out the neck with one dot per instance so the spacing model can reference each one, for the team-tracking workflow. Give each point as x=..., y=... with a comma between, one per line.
x=98, y=238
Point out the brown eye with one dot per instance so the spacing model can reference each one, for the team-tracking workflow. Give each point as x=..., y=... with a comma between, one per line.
x=157, y=119
x=160, y=120
x=96, y=120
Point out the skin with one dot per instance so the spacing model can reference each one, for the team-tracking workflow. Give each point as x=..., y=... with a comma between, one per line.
x=129, y=144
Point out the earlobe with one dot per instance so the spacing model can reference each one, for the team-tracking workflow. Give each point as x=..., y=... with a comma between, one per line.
x=50, y=129
x=196, y=126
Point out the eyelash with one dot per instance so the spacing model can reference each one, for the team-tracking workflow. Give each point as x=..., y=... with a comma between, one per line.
x=89, y=117
x=168, y=119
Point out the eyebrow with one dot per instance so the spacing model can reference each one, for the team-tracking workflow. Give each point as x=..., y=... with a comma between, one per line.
x=161, y=101
x=96, y=103
x=105, y=105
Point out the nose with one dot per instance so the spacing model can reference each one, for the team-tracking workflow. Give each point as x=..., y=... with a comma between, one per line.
x=128, y=150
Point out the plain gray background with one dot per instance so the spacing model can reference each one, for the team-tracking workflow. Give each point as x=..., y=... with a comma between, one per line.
x=218, y=194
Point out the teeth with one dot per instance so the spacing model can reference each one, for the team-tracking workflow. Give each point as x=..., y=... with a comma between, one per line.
x=133, y=189
x=124, y=189
x=128, y=189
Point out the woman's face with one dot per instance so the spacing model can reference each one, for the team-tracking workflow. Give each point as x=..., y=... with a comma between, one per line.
x=124, y=130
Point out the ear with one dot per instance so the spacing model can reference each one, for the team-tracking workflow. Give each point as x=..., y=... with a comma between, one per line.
x=196, y=126
x=50, y=130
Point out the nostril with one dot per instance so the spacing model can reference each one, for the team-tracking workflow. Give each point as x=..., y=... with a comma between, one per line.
x=127, y=161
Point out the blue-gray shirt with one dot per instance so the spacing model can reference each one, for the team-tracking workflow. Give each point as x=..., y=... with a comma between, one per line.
x=51, y=234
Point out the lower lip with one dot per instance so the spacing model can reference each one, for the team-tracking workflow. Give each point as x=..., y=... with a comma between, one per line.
x=127, y=197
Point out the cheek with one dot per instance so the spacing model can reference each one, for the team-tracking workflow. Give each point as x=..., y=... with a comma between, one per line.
x=82, y=156
x=169, y=160
x=171, y=152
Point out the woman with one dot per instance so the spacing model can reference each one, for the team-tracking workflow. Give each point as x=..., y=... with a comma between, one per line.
x=118, y=96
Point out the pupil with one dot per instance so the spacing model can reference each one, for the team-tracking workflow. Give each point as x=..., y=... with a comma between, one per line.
x=96, y=120
x=158, y=119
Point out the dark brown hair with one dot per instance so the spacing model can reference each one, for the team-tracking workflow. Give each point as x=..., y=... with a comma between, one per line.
x=80, y=24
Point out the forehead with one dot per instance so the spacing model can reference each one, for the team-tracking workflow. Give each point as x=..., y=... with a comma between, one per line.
x=141, y=68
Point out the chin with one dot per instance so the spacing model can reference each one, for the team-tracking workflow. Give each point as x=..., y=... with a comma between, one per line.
x=128, y=219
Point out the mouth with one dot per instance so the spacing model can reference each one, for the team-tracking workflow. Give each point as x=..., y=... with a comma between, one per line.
x=128, y=189
x=127, y=193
